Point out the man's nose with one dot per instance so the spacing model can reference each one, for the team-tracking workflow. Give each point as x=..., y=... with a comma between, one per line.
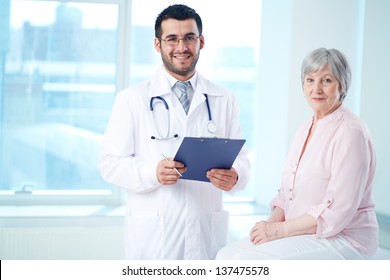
x=182, y=44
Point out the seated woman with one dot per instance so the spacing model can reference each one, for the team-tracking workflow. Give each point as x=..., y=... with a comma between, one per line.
x=324, y=208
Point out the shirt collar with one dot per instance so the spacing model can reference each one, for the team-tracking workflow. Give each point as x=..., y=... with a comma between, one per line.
x=172, y=80
x=199, y=84
x=331, y=117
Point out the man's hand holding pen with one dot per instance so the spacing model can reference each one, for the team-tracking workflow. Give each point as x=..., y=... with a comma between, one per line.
x=169, y=171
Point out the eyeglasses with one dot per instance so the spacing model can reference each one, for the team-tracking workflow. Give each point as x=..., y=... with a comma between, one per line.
x=187, y=39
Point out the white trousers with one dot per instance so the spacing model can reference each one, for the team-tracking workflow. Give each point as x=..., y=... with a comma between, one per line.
x=302, y=247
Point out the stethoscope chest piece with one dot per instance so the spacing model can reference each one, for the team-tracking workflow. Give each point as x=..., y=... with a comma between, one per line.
x=211, y=127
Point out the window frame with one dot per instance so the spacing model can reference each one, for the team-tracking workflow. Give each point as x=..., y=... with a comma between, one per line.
x=114, y=196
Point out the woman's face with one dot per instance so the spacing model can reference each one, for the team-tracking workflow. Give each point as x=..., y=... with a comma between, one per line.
x=322, y=91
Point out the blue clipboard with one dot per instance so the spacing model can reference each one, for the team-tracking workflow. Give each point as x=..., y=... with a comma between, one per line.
x=200, y=155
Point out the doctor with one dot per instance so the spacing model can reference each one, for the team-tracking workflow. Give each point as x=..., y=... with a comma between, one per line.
x=168, y=217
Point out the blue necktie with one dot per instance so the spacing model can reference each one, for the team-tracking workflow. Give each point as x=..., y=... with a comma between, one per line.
x=182, y=89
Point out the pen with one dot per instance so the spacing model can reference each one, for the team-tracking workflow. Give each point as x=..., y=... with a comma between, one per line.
x=177, y=171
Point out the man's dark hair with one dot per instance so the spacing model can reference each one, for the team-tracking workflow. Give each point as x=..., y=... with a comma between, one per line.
x=178, y=12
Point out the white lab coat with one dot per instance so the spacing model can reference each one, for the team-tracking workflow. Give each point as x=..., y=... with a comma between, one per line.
x=181, y=221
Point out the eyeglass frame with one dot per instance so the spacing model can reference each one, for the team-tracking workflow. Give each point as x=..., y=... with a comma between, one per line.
x=177, y=39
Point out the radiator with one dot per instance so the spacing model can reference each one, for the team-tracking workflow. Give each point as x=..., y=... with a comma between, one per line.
x=61, y=243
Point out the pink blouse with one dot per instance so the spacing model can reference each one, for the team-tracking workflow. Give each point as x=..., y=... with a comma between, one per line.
x=333, y=180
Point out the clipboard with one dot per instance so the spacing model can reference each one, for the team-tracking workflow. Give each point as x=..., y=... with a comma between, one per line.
x=200, y=155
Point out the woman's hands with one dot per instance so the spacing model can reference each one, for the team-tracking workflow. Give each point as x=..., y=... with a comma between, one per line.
x=276, y=227
x=266, y=231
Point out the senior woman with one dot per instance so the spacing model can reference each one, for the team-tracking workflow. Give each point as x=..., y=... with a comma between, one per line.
x=324, y=208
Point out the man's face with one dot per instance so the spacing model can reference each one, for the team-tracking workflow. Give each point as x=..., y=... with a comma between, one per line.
x=179, y=58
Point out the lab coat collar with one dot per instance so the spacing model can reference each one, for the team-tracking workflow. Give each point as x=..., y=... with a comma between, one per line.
x=205, y=86
x=159, y=84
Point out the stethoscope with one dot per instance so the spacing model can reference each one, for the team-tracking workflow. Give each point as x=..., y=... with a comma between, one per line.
x=211, y=126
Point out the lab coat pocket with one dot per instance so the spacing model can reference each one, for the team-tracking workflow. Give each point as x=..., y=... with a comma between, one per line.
x=146, y=234
x=220, y=224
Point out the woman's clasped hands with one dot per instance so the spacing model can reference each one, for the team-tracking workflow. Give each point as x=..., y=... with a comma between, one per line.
x=266, y=231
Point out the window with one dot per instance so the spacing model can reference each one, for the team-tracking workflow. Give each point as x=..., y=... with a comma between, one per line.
x=62, y=64
x=59, y=81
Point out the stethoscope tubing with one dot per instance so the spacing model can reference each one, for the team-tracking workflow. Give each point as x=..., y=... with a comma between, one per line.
x=211, y=126
x=208, y=107
x=167, y=107
x=161, y=99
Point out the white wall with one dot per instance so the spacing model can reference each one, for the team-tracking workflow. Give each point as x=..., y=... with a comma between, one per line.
x=375, y=102
x=290, y=30
x=273, y=91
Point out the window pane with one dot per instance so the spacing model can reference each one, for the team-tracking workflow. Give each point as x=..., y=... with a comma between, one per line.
x=59, y=85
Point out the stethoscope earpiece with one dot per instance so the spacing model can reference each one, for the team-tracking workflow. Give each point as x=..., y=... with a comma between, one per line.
x=169, y=138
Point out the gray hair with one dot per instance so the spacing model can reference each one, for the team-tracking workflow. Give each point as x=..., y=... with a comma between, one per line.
x=337, y=63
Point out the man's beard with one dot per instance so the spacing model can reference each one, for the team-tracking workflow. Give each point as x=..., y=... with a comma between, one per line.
x=182, y=72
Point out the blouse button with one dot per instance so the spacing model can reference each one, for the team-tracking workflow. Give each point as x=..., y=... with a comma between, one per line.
x=328, y=202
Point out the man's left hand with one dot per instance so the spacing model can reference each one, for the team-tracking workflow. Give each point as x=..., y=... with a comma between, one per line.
x=224, y=179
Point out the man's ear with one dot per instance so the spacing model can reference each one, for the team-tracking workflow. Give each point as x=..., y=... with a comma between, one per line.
x=157, y=44
x=201, y=42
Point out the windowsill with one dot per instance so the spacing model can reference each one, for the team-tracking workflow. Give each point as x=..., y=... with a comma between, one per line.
x=54, y=211
x=63, y=215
